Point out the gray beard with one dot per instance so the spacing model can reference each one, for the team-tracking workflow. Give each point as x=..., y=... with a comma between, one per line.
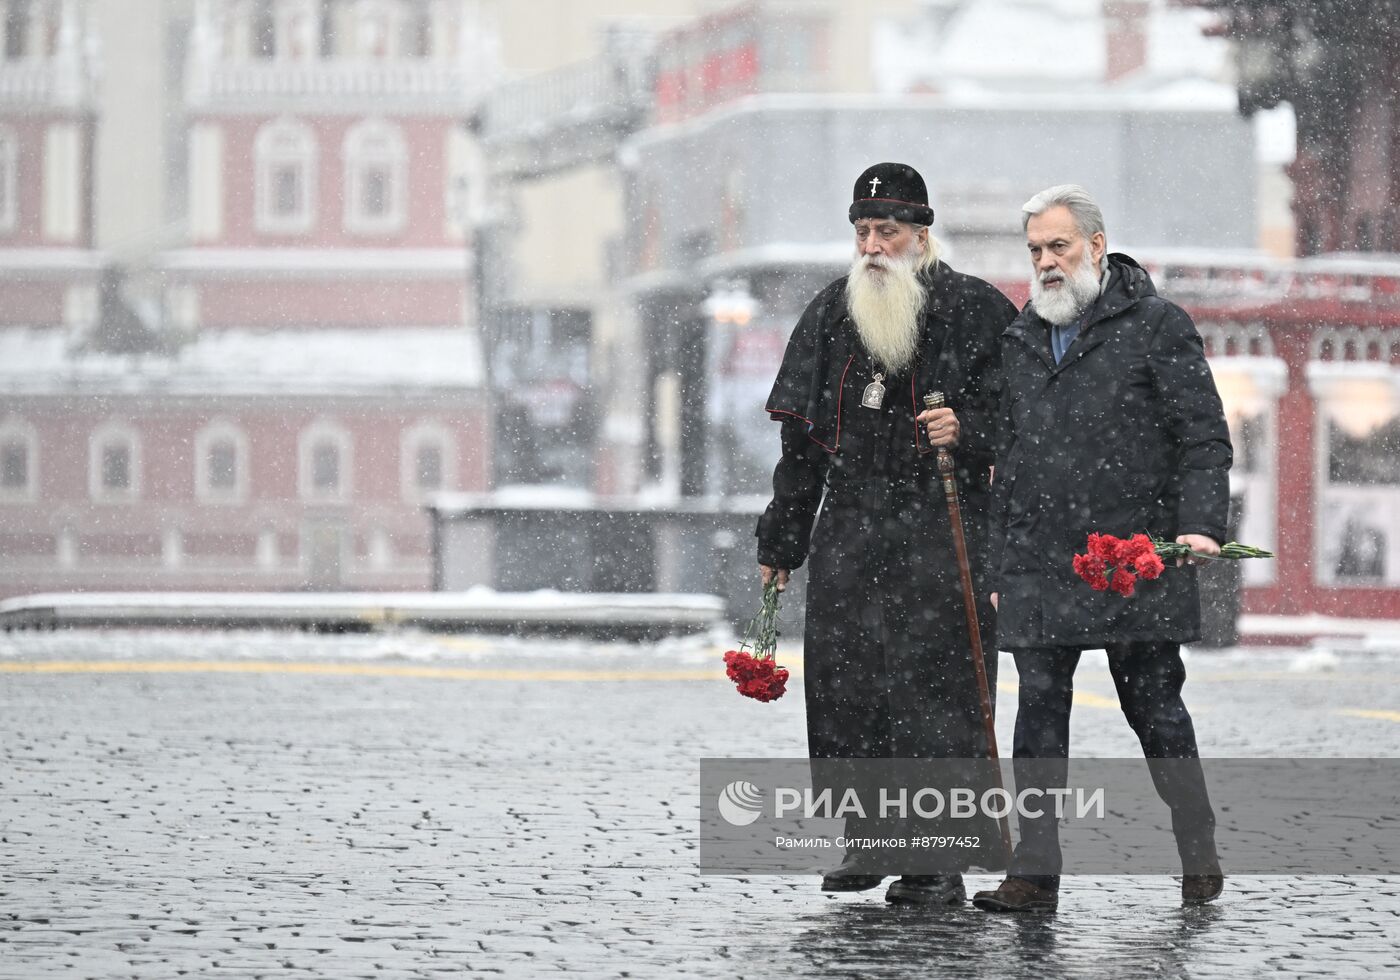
x=886, y=307
x=1064, y=304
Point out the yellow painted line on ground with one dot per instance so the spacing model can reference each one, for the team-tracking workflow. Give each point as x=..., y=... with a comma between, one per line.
x=1372, y=713
x=355, y=670
x=1086, y=699
x=1091, y=700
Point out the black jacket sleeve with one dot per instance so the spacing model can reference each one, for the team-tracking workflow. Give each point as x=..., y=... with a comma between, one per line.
x=977, y=398
x=1001, y=488
x=785, y=529
x=1195, y=418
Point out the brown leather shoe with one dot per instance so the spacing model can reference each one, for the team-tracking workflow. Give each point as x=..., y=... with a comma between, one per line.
x=1017, y=895
x=1201, y=889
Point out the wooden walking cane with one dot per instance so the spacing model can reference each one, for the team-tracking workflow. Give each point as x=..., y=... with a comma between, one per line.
x=974, y=632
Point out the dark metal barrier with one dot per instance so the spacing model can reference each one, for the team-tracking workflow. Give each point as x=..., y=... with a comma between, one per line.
x=573, y=541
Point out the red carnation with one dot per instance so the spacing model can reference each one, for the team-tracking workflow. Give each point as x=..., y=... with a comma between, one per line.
x=1148, y=565
x=1110, y=563
x=1123, y=582
x=1104, y=546
x=768, y=684
x=757, y=675
x=1133, y=548
x=739, y=666
x=1091, y=569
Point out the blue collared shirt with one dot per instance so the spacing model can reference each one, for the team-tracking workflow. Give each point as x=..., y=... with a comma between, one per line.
x=1062, y=337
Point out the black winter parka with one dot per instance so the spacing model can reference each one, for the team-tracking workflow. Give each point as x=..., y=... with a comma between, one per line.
x=1126, y=434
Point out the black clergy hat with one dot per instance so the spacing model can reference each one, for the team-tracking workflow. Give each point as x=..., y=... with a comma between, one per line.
x=891, y=190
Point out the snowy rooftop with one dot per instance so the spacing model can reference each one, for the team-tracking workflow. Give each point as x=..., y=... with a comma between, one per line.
x=1025, y=44
x=248, y=362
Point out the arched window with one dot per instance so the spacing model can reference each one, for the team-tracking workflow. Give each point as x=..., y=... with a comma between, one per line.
x=377, y=24
x=324, y=451
x=9, y=181
x=375, y=178
x=19, y=462
x=221, y=464
x=114, y=464
x=286, y=177
x=427, y=461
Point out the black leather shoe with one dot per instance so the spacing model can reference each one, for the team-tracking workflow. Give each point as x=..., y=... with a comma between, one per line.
x=927, y=890
x=1017, y=895
x=837, y=881
x=849, y=877
x=1201, y=889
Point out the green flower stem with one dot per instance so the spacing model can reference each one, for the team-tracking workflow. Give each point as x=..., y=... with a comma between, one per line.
x=1232, y=551
x=762, y=632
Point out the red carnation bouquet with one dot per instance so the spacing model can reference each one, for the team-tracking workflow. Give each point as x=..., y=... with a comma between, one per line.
x=757, y=674
x=1116, y=564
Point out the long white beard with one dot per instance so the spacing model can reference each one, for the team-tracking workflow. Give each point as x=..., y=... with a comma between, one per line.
x=1063, y=304
x=886, y=306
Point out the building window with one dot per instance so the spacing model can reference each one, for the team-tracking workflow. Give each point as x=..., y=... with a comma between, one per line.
x=377, y=29
x=286, y=177
x=375, y=164
x=325, y=463
x=114, y=464
x=16, y=29
x=327, y=25
x=264, y=31
x=426, y=461
x=325, y=468
x=9, y=181
x=221, y=464
x=1357, y=390
x=417, y=31
x=19, y=450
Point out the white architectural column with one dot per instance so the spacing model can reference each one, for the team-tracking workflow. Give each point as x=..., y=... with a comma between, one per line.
x=63, y=182
x=206, y=182
x=172, y=548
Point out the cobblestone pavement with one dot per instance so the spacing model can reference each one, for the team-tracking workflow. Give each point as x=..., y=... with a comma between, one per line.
x=278, y=805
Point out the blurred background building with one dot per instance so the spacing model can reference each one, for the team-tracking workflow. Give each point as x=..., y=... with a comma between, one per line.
x=276, y=271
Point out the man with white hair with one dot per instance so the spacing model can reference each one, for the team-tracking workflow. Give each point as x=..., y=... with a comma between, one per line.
x=1110, y=423
x=887, y=665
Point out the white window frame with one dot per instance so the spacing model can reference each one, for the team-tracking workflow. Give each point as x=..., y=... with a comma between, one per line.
x=16, y=429
x=103, y=436
x=9, y=181
x=313, y=434
x=409, y=443
x=375, y=143
x=214, y=432
x=283, y=142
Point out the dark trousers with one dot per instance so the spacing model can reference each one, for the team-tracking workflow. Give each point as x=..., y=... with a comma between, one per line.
x=1149, y=677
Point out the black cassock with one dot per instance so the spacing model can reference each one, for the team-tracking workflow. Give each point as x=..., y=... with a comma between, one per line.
x=887, y=661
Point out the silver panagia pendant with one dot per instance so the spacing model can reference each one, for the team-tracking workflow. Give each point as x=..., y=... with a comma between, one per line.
x=874, y=395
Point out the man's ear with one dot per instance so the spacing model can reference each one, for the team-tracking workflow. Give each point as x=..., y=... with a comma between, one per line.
x=923, y=238
x=1098, y=246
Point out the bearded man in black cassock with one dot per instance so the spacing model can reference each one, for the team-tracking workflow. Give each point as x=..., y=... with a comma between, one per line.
x=887, y=660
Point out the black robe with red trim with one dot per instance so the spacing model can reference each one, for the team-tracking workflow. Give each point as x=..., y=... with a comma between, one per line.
x=887, y=661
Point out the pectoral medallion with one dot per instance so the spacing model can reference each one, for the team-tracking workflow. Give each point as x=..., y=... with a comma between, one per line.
x=874, y=395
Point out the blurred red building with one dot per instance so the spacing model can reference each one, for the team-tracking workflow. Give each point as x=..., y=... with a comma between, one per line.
x=311, y=379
